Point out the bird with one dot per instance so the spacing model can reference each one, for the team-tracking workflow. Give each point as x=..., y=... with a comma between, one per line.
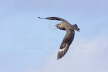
x=69, y=36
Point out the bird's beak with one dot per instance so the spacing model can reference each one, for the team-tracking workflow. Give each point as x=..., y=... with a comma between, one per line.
x=78, y=29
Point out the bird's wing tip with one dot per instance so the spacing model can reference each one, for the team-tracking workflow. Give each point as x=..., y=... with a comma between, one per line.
x=38, y=17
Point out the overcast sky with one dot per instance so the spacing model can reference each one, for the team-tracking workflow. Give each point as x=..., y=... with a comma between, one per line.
x=28, y=44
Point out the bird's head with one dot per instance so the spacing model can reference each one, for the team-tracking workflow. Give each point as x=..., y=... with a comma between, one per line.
x=76, y=27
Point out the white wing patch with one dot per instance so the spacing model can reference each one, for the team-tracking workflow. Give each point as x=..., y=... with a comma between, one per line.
x=60, y=50
x=63, y=49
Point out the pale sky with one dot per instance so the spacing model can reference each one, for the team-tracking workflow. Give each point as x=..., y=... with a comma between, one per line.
x=28, y=44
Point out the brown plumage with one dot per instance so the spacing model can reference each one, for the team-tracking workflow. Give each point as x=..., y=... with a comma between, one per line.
x=70, y=32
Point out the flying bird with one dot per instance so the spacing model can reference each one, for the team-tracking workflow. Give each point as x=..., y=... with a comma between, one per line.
x=69, y=37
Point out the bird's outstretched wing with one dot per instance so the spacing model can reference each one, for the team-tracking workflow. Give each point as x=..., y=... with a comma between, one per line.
x=53, y=18
x=66, y=43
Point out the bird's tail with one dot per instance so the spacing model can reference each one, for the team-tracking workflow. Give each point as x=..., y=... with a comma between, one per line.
x=53, y=18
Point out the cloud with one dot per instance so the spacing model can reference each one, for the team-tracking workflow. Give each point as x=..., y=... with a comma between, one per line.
x=89, y=55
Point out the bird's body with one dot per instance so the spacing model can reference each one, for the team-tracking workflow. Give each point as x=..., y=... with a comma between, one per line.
x=70, y=32
x=65, y=26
